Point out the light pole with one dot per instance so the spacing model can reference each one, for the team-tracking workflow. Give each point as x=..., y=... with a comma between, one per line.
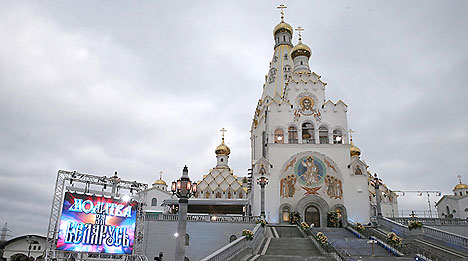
x=376, y=183
x=183, y=188
x=262, y=181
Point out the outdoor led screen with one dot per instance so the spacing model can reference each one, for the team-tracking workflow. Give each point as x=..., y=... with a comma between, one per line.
x=96, y=224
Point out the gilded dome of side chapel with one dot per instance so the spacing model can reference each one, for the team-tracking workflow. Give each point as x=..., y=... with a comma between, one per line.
x=160, y=182
x=460, y=186
x=353, y=150
x=301, y=49
x=222, y=149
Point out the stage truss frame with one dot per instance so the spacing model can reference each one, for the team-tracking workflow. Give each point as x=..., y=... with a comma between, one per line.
x=81, y=182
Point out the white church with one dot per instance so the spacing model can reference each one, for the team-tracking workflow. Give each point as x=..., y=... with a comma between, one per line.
x=301, y=141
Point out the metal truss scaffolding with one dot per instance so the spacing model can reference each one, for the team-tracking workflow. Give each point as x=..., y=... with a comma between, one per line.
x=99, y=185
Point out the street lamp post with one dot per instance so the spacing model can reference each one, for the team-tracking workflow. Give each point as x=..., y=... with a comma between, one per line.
x=262, y=181
x=376, y=183
x=183, y=188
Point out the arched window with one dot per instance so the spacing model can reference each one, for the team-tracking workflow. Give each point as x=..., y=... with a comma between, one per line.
x=323, y=135
x=292, y=135
x=279, y=136
x=337, y=137
x=308, y=133
x=358, y=171
x=154, y=202
x=285, y=217
x=448, y=209
x=218, y=194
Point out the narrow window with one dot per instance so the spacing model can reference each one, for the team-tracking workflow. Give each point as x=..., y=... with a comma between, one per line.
x=284, y=38
x=308, y=133
x=302, y=63
x=323, y=135
x=292, y=135
x=337, y=137
x=187, y=239
x=154, y=202
x=279, y=136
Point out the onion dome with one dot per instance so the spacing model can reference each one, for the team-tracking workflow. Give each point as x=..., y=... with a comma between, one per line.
x=353, y=150
x=460, y=186
x=222, y=149
x=301, y=49
x=160, y=182
x=282, y=27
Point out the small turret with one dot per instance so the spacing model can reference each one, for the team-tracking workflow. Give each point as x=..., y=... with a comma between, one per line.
x=301, y=54
x=282, y=31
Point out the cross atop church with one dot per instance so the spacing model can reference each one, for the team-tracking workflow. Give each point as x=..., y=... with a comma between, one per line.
x=459, y=179
x=223, y=130
x=351, y=134
x=299, y=30
x=160, y=174
x=282, y=7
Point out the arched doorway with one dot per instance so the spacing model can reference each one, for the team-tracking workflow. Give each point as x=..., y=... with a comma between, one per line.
x=312, y=216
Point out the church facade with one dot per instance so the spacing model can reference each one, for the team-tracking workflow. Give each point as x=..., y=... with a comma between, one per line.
x=300, y=138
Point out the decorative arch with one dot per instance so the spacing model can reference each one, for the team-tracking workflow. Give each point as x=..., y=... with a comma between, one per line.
x=314, y=201
x=293, y=134
x=284, y=210
x=154, y=202
x=308, y=132
x=278, y=135
x=343, y=214
x=324, y=133
x=335, y=131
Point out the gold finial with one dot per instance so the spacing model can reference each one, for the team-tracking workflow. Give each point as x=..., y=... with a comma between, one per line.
x=223, y=130
x=282, y=7
x=299, y=30
x=459, y=179
x=351, y=134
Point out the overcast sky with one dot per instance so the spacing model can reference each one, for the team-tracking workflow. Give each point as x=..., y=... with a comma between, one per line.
x=144, y=86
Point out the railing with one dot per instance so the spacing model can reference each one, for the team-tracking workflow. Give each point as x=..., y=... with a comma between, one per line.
x=333, y=250
x=203, y=218
x=427, y=231
x=236, y=247
x=446, y=236
x=433, y=221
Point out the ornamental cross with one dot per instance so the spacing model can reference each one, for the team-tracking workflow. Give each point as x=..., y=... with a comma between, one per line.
x=351, y=134
x=160, y=174
x=223, y=130
x=459, y=178
x=282, y=7
x=299, y=30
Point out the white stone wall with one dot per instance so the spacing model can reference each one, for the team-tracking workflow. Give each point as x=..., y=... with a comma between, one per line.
x=21, y=246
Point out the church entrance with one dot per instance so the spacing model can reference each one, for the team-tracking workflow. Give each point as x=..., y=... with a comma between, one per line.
x=312, y=215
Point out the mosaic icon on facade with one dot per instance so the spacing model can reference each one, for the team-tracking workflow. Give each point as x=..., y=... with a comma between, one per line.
x=310, y=171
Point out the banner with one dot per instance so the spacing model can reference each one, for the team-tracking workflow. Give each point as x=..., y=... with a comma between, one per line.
x=96, y=224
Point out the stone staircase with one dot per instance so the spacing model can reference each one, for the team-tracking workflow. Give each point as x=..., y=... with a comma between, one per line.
x=357, y=248
x=287, y=243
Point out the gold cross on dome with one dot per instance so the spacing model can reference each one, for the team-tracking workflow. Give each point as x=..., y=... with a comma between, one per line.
x=223, y=130
x=282, y=7
x=351, y=134
x=459, y=178
x=299, y=30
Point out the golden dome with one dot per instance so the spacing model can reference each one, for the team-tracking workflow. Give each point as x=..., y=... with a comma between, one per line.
x=353, y=150
x=160, y=182
x=281, y=27
x=222, y=149
x=301, y=49
x=461, y=186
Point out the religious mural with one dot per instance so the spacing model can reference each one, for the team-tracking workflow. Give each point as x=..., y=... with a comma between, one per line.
x=311, y=173
x=287, y=186
x=307, y=106
x=334, y=187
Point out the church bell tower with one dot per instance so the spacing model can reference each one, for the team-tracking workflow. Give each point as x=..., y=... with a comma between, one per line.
x=302, y=138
